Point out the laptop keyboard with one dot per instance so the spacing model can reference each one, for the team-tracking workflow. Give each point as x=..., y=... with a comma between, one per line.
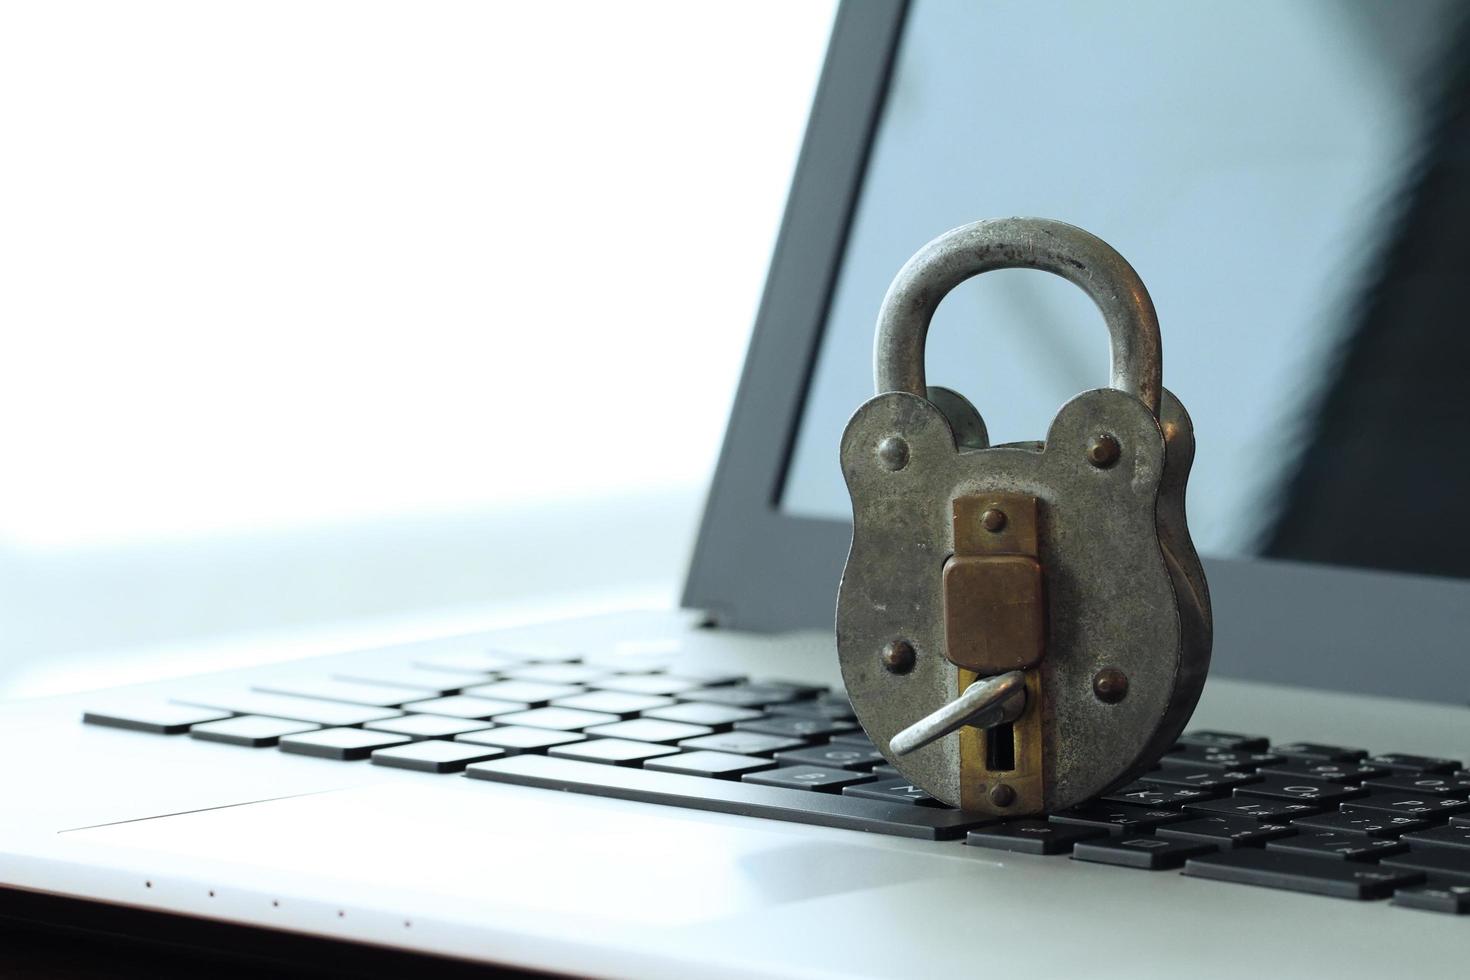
x=1324, y=819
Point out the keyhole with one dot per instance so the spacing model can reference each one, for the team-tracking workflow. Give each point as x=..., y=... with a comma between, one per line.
x=1000, y=748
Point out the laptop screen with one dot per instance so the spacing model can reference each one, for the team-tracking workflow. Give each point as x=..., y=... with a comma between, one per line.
x=1274, y=172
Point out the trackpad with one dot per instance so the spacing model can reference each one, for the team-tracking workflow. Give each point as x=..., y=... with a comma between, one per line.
x=524, y=849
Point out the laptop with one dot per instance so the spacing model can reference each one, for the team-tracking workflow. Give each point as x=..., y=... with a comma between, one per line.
x=686, y=793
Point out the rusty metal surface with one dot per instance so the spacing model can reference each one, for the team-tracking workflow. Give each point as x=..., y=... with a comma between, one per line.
x=1125, y=596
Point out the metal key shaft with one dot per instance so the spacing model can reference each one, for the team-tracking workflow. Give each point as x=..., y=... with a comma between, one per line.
x=984, y=704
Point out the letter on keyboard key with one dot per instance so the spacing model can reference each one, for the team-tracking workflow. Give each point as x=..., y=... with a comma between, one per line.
x=1407, y=804
x=1364, y=823
x=1306, y=791
x=1443, y=784
x=1132, y=851
x=728, y=796
x=1155, y=797
x=1117, y=818
x=1275, y=869
x=1187, y=778
x=1336, y=845
x=158, y=719
x=895, y=790
x=1032, y=836
x=1265, y=811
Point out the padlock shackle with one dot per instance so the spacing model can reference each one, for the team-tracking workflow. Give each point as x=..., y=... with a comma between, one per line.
x=1019, y=243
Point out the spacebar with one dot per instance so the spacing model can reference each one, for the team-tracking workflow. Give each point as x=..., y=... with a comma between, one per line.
x=701, y=793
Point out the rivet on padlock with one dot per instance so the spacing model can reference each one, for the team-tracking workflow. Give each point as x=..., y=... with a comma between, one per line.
x=1021, y=627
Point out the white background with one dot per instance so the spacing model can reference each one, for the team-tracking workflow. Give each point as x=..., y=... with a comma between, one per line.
x=318, y=310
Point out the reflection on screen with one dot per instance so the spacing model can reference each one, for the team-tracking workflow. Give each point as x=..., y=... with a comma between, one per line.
x=1247, y=159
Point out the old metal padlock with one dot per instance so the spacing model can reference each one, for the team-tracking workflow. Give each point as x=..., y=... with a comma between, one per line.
x=1021, y=627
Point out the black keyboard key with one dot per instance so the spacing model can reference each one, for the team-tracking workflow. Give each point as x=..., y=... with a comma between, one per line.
x=1409, y=805
x=1318, y=753
x=1363, y=823
x=1441, y=864
x=610, y=751
x=1456, y=838
x=1148, y=853
x=252, y=731
x=1117, y=818
x=1336, y=845
x=1193, y=758
x=1156, y=797
x=716, y=716
x=1264, y=811
x=859, y=738
x=1225, y=831
x=345, y=744
x=1443, y=784
x=1453, y=899
x=1351, y=773
x=820, y=708
x=1032, y=836
x=1182, y=776
x=795, y=726
x=1304, y=790
x=434, y=756
x=1399, y=762
x=893, y=790
x=1229, y=741
x=808, y=777
x=832, y=756
x=1276, y=869
x=740, y=696
x=157, y=719
x=885, y=771
x=515, y=739
x=717, y=765
x=729, y=796
x=743, y=743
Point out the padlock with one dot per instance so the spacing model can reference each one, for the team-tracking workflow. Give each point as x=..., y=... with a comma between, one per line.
x=1021, y=627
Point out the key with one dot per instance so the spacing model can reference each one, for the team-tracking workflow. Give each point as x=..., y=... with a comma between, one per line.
x=1399, y=762
x=515, y=739
x=434, y=756
x=895, y=790
x=1454, y=899
x=1318, y=753
x=646, y=684
x=648, y=730
x=743, y=743
x=1131, y=851
x=1275, y=869
x=739, y=696
x=158, y=719
x=427, y=726
x=428, y=682
x=1157, y=797
x=1118, y=819
x=885, y=771
x=1225, y=831
x=1265, y=811
x=719, y=765
x=528, y=694
x=832, y=757
x=1193, y=758
x=1408, y=804
x=339, y=743
x=561, y=719
x=1229, y=741
x=729, y=796
x=1032, y=836
x=1457, y=838
x=469, y=661
x=807, y=777
x=1442, y=864
x=349, y=692
x=1365, y=823
x=1444, y=784
x=1199, y=778
x=1460, y=821
x=1308, y=790
x=252, y=731
x=1327, y=772
x=614, y=703
x=1336, y=845
x=613, y=751
x=795, y=726
x=330, y=713
x=557, y=673
x=716, y=716
x=465, y=706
